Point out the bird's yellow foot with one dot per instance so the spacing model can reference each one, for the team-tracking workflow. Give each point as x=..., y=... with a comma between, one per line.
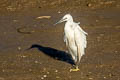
x=76, y=69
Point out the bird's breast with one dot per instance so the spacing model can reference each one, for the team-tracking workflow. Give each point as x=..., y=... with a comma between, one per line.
x=69, y=33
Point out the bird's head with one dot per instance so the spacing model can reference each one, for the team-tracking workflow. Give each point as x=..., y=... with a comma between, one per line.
x=67, y=17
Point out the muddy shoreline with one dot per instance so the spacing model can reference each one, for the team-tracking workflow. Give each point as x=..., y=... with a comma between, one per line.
x=37, y=50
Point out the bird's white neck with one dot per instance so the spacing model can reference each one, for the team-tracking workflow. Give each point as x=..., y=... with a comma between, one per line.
x=70, y=20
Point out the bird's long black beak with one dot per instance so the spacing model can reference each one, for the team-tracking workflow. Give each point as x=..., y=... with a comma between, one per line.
x=60, y=21
x=57, y=22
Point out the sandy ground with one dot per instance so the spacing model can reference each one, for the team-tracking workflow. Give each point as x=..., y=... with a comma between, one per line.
x=32, y=48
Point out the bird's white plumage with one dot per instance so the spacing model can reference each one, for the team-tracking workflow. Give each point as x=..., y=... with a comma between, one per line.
x=74, y=37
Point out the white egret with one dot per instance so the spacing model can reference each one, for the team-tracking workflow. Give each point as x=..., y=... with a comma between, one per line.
x=75, y=39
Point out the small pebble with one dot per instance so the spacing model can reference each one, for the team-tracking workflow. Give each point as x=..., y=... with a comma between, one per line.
x=36, y=62
x=48, y=72
x=90, y=78
x=19, y=48
x=15, y=20
x=44, y=69
x=104, y=77
x=44, y=76
x=116, y=51
x=97, y=20
x=56, y=71
x=23, y=56
x=57, y=77
x=89, y=4
x=30, y=69
x=3, y=70
x=101, y=34
x=59, y=12
x=89, y=72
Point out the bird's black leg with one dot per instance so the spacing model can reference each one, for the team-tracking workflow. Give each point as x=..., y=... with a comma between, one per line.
x=75, y=67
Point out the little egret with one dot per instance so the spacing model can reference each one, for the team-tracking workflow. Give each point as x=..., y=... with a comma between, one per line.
x=75, y=39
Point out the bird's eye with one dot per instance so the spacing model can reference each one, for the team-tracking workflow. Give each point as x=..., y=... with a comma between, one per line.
x=64, y=18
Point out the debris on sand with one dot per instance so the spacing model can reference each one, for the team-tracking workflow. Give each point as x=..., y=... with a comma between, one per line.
x=43, y=17
x=25, y=30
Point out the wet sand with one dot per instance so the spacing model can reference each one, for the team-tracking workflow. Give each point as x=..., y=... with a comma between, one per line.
x=33, y=48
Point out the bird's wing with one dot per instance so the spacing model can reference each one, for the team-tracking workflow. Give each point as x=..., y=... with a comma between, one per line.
x=80, y=39
x=65, y=39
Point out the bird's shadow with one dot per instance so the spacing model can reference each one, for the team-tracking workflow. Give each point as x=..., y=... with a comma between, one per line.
x=54, y=53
